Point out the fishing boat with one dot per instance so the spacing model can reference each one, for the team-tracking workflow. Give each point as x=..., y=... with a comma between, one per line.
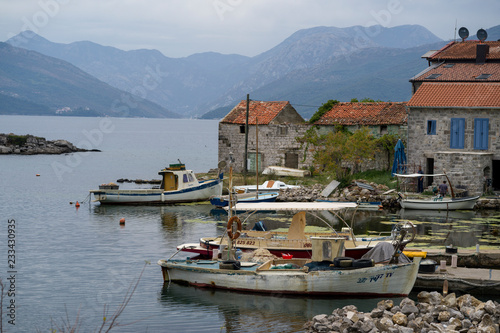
x=436, y=202
x=284, y=171
x=178, y=185
x=223, y=200
x=267, y=186
x=296, y=241
x=325, y=273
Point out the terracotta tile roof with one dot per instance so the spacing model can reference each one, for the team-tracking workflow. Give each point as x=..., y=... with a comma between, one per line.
x=461, y=72
x=455, y=94
x=465, y=51
x=383, y=113
x=265, y=112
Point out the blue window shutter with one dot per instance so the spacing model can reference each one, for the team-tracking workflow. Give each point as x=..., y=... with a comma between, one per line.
x=481, y=131
x=433, y=127
x=457, y=135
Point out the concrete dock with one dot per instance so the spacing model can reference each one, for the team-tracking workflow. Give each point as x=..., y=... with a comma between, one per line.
x=475, y=272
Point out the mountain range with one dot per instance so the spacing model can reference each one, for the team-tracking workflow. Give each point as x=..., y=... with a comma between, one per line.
x=308, y=68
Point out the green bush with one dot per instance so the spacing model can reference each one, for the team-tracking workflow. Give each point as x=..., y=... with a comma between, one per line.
x=19, y=140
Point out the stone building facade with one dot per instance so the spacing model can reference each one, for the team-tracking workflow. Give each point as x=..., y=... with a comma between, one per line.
x=272, y=131
x=379, y=117
x=454, y=116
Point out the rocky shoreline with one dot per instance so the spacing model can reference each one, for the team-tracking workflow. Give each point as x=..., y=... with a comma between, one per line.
x=33, y=145
x=432, y=313
x=355, y=193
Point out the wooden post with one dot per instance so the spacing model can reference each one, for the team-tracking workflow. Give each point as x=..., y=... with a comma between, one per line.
x=245, y=162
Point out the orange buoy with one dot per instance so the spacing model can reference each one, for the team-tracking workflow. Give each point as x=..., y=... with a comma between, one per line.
x=38, y=175
x=77, y=204
x=122, y=220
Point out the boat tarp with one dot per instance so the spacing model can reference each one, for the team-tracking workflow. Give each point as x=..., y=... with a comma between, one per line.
x=293, y=206
x=383, y=251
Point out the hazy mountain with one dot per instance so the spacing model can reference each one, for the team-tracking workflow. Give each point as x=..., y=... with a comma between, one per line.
x=178, y=84
x=204, y=82
x=33, y=83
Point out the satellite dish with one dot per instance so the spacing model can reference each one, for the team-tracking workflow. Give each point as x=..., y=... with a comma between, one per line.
x=463, y=32
x=481, y=35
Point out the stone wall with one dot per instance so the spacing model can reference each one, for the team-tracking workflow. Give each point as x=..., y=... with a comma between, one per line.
x=275, y=142
x=468, y=166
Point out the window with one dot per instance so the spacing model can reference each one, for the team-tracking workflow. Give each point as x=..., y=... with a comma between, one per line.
x=433, y=76
x=457, y=132
x=431, y=127
x=383, y=129
x=282, y=130
x=242, y=129
x=481, y=127
x=483, y=76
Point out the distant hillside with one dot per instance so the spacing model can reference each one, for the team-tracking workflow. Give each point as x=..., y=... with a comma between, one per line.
x=33, y=83
x=200, y=83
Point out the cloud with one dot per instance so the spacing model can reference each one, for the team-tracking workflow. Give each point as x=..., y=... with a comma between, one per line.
x=182, y=27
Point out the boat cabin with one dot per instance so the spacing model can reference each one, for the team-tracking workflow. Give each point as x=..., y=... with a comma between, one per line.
x=176, y=177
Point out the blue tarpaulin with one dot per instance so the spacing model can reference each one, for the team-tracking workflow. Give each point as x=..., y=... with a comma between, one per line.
x=399, y=165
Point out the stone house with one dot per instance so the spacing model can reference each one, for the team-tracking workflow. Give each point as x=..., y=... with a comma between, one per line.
x=379, y=117
x=278, y=124
x=454, y=115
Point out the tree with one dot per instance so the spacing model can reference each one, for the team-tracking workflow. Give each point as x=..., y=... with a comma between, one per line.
x=387, y=142
x=340, y=149
x=322, y=110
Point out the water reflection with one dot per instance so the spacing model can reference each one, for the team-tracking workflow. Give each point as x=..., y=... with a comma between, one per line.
x=458, y=228
x=246, y=312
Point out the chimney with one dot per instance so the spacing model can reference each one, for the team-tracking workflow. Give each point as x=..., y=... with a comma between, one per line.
x=481, y=51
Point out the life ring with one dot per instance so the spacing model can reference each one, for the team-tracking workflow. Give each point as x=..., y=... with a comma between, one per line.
x=230, y=228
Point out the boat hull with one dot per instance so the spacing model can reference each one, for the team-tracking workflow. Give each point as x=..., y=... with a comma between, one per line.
x=444, y=204
x=376, y=281
x=202, y=192
x=223, y=201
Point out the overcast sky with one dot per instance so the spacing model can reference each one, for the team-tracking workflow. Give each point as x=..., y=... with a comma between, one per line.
x=179, y=28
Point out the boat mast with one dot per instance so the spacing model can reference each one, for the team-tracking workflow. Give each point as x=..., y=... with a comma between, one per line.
x=257, y=156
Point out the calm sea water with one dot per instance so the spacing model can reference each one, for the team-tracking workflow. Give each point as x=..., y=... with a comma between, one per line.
x=72, y=264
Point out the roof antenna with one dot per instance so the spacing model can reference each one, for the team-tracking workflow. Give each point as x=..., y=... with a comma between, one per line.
x=455, y=36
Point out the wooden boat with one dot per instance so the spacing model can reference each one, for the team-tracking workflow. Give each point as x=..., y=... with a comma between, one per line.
x=295, y=241
x=178, y=185
x=436, y=202
x=326, y=273
x=287, y=172
x=267, y=186
x=223, y=201
x=439, y=203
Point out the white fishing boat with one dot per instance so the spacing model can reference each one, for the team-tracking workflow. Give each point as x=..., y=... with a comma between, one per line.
x=223, y=200
x=286, y=172
x=267, y=186
x=178, y=185
x=436, y=202
x=326, y=273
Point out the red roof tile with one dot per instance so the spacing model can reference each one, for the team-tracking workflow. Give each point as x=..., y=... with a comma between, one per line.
x=461, y=72
x=465, y=51
x=383, y=113
x=455, y=94
x=264, y=112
